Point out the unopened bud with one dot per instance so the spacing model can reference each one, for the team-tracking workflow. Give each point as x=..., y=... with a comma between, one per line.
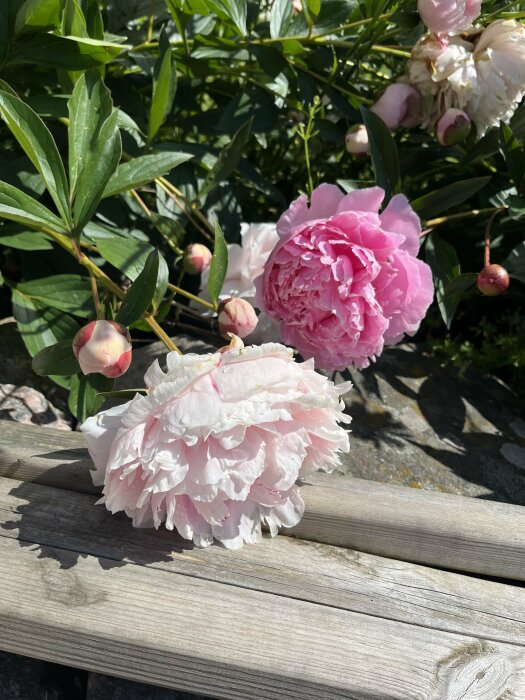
x=493, y=280
x=103, y=347
x=399, y=105
x=356, y=140
x=196, y=258
x=236, y=316
x=453, y=127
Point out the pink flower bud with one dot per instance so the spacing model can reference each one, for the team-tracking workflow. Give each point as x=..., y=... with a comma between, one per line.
x=196, y=258
x=104, y=347
x=356, y=140
x=448, y=16
x=493, y=280
x=399, y=105
x=237, y=316
x=453, y=127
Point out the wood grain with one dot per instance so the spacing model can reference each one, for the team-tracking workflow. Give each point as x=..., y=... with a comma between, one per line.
x=231, y=642
x=430, y=528
x=74, y=526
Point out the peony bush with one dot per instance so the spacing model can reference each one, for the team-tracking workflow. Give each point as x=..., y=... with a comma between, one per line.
x=311, y=181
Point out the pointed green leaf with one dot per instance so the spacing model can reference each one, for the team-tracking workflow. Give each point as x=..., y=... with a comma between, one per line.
x=227, y=161
x=69, y=293
x=85, y=397
x=89, y=107
x=383, y=152
x=43, y=14
x=512, y=150
x=218, y=265
x=280, y=17
x=70, y=53
x=36, y=140
x=440, y=201
x=58, y=359
x=443, y=260
x=143, y=169
x=18, y=206
x=101, y=162
x=164, y=87
x=140, y=295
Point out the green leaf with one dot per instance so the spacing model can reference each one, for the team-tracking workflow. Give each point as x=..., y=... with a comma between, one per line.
x=41, y=326
x=129, y=256
x=85, y=397
x=443, y=260
x=512, y=151
x=36, y=140
x=445, y=198
x=280, y=17
x=101, y=162
x=69, y=293
x=461, y=283
x=227, y=161
x=58, y=359
x=64, y=52
x=515, y=262
x=144, y=169
x=140, y=295
x=43, y=14
x=89, y=107
x=164, y=87
x=218, y=265
x=24, y=240
x=20, y=207
x=383, y=152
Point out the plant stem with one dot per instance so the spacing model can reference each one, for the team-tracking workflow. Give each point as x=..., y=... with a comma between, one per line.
x=191, y=296
x=96, y=298
x=461, y=215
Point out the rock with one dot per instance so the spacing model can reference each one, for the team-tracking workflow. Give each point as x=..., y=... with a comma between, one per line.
x=23, y=404
x=22, y=678
x=102, y=687
x=420, y=424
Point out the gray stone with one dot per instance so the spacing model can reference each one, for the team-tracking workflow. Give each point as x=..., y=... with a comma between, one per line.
x=24, y=404
x=101, y=687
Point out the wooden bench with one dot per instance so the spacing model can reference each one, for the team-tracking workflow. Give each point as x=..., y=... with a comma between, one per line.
x=338, y=609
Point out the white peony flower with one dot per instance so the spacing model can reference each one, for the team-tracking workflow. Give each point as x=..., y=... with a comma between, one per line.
x=481, y=72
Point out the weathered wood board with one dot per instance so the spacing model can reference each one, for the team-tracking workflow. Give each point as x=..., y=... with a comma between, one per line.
x=436, y=529
x=288, y=618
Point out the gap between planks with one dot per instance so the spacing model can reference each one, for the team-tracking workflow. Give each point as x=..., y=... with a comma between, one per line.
x=435, y=529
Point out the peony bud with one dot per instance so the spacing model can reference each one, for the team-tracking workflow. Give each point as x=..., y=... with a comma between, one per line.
x=453, y=127
x=399, y=105
x=448, y=16
x=104, y=347
x=493, y=280
x=196, y=258
x=356, y=140
x=237, y=316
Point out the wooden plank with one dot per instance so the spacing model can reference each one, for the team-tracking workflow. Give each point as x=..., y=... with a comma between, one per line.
x=231, y=642
x=71, y=523
x=430, y=528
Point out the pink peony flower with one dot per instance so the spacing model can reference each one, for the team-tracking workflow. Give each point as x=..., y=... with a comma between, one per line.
x=216, y=447
x=344, y=279
x=103, y=347
x=448, y=16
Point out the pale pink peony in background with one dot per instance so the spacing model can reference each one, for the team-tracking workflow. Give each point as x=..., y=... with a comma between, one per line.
x=216, y=447
x=245, y=264
x=344, y=279
x=448, y=16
